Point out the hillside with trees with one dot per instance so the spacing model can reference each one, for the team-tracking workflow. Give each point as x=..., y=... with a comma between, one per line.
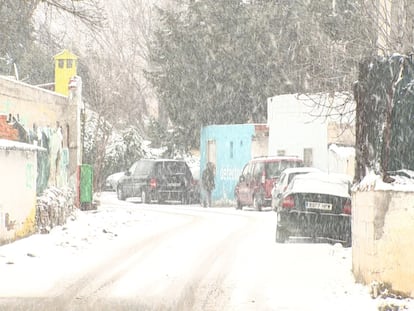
x=218, y=62
x=165, y=68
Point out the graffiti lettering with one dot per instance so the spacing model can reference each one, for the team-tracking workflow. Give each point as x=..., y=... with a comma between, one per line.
x=30, y=175
x=229, y=173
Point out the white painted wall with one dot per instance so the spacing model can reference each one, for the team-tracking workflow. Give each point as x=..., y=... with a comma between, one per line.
x=18, y=167
x=292, y=127
x=341, y=160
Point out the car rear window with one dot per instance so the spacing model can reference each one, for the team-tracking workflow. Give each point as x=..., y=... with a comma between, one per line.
x=320, y=185
x=275, y=169
x=172, y=167
x=143, y=167
x=293, y=175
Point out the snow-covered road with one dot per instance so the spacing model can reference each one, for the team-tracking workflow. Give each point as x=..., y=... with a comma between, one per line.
x=132, y=256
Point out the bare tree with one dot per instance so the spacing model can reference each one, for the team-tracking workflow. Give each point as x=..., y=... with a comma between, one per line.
x=88, y=12
x=378, y=89
x=394, y=23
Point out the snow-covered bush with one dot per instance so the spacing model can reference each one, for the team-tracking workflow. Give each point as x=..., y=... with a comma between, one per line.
x=53, y=208
x=109, y=149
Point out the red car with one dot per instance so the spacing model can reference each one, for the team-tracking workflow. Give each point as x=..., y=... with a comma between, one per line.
x=258, y=177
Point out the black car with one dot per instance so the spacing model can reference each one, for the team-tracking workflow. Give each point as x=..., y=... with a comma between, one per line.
x=158, y=180
x=316, y=206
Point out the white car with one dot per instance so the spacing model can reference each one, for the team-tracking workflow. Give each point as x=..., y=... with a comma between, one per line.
x=285, y=178
x=111, y=182
x=317, y=207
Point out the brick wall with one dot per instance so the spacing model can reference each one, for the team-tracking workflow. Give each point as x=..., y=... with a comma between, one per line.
x=7, y=131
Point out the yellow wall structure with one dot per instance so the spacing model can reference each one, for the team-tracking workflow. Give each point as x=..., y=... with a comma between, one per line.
x=65, y=69
x=383, y=238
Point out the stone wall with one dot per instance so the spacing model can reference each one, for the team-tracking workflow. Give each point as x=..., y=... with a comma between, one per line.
x=383, y=239
x=6, y=130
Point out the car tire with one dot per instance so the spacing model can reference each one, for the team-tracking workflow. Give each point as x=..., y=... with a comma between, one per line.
x=281, y=235
x=256, y=203
x=120, y=193
x=145, y=197
x=348, y=240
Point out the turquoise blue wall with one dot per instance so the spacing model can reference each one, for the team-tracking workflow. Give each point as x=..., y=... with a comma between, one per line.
x=233, y=151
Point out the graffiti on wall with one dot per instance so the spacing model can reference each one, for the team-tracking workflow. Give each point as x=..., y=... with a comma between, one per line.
x=30, y=173
x=52, y=165
x=228, y=173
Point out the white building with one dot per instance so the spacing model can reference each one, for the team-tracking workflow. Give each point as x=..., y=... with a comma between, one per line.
x=306, y=125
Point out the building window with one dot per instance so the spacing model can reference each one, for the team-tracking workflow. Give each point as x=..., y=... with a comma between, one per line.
x=69, y=63
x=231, y=150
x=308, y=157
x=61, y=63
x=281, y=153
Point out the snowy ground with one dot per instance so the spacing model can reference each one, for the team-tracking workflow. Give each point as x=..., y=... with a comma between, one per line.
x=38, y=265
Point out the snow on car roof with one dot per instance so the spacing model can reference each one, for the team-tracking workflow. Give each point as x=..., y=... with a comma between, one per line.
x=162, y=159
x=276, y=158
x=324, y=183
x=301, y=169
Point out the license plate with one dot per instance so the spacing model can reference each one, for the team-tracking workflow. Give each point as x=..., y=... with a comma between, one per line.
x=174, y=184
x=318, y=205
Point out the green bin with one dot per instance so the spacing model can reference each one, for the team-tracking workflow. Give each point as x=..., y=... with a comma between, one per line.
x=86, y=183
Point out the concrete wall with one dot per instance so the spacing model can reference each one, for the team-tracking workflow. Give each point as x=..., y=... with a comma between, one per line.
x=44, y=109
x=18, y=167
x=383, y=239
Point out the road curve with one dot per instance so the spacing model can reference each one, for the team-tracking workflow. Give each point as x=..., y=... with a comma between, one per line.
x=193, y=258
